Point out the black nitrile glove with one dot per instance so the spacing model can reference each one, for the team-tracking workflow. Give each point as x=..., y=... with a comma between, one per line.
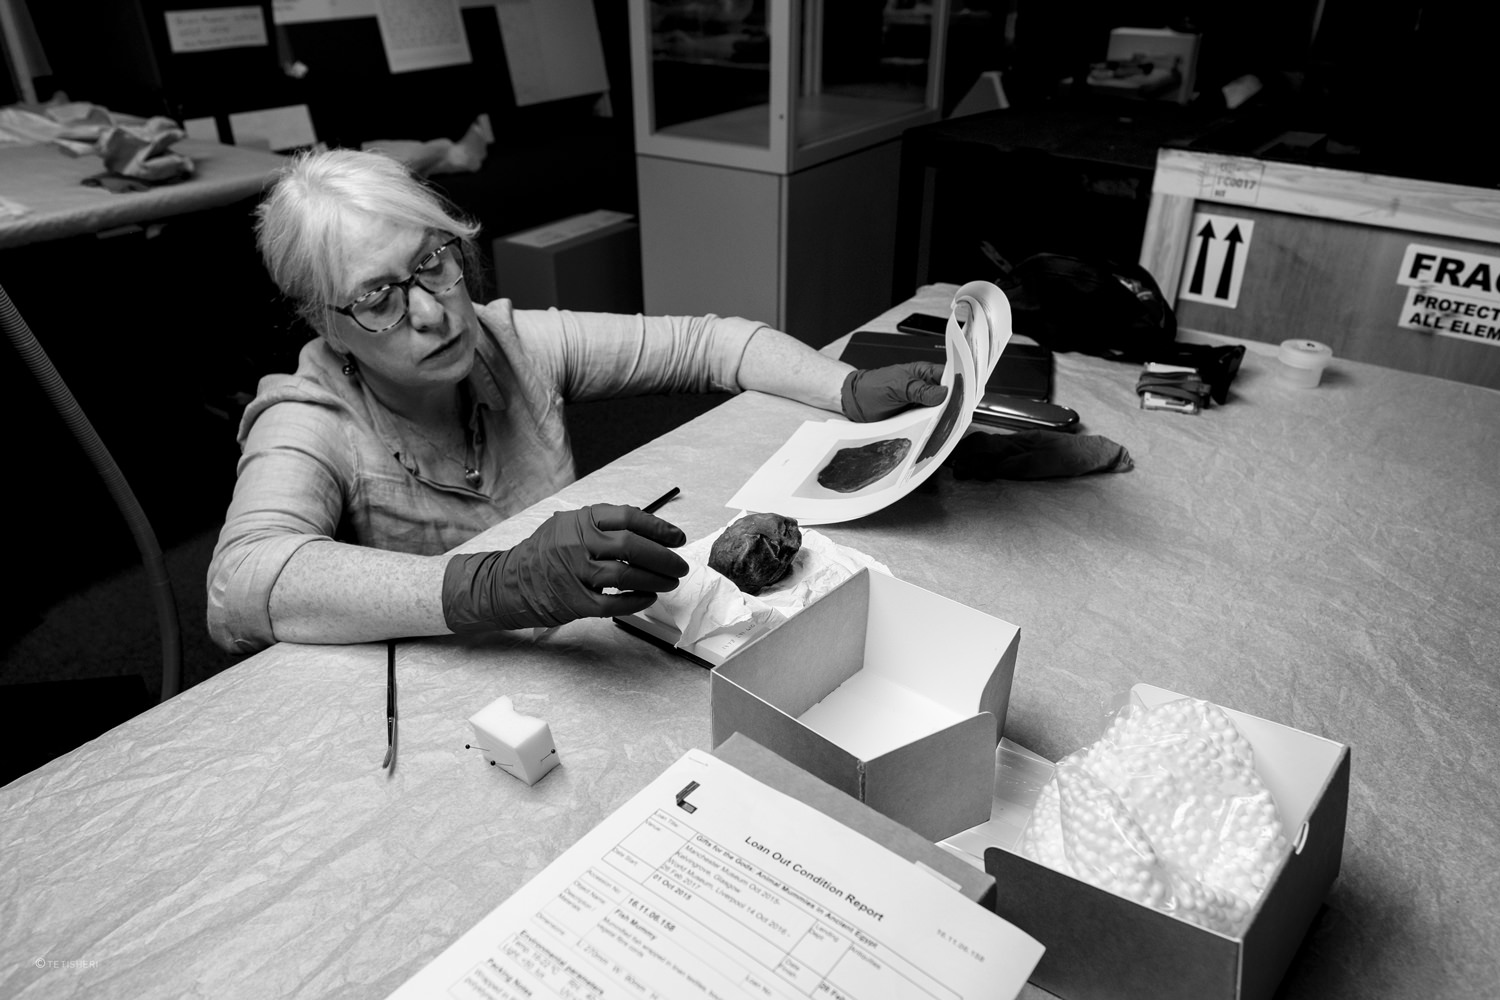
x=560, y=572
x=877, y=393
x=1036, y=455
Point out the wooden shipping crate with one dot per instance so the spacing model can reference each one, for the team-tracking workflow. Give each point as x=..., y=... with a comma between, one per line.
x=1387, y=270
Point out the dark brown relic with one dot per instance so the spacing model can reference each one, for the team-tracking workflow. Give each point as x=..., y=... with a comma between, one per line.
x=756, y=551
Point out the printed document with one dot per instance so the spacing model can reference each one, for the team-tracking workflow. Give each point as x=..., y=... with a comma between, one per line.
x=709, y=884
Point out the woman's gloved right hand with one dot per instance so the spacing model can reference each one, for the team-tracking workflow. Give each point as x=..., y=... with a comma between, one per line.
x=560, y=572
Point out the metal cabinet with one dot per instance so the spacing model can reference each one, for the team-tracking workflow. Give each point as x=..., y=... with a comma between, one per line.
x=767, y=145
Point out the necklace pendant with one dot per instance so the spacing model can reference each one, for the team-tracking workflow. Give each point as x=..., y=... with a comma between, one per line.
x=471, y=476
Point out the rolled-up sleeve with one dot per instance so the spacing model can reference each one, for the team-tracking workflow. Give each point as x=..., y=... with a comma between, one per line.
x=288, y=492
x=603, y=355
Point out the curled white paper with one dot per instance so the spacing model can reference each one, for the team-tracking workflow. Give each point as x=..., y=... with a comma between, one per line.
x=706, y=603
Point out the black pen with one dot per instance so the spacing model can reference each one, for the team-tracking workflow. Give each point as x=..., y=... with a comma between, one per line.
x=390, y=702
x=656, y=505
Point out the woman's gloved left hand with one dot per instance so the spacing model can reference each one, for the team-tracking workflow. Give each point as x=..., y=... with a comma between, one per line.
x=877, y=393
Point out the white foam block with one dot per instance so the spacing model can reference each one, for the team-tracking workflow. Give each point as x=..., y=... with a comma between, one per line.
x=520, y=744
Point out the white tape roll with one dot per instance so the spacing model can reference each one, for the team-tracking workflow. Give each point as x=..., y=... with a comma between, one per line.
x=1301, y=362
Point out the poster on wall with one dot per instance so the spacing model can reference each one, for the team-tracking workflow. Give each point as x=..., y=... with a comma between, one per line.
x=1215, y=267
x=215, y=28
x=552, y=48
x=1454, y=293
x=422, y=34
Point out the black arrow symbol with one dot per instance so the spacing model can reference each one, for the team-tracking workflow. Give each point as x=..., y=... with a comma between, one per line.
x=1227, y=271
x=1205, y=237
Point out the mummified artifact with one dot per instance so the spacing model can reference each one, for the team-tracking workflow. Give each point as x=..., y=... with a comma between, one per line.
x=756, y=551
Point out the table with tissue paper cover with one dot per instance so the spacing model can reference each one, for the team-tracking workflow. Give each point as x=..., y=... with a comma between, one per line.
x=1324, y=558
x=48, y=184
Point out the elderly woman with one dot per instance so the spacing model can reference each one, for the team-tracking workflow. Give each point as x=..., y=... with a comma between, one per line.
x=418, y=418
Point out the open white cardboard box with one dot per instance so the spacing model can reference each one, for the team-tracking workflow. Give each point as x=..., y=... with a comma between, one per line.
x=1102, y=945
x=886, y=691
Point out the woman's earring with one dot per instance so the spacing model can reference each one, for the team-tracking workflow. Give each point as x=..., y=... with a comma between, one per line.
x=348, y=368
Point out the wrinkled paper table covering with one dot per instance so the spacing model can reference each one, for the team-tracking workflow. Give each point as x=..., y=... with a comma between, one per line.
x=1323, y=558
x=49, y=183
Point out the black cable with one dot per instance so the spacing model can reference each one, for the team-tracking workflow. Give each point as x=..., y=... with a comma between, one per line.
x=158, y=582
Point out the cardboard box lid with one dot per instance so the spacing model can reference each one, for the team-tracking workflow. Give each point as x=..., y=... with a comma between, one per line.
x=960, y=659
x=760, y=763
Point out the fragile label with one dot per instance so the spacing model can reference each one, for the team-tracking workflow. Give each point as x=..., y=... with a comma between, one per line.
x=1451, y=315
x=1451, y=292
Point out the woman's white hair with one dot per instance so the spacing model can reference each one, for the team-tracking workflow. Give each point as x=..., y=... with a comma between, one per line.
x=299, y=224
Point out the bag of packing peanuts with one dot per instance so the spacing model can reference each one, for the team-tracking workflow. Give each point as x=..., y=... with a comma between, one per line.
x=1166, y=809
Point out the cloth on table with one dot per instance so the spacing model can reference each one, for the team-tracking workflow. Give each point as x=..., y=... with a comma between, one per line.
x=440, y=156
x=1036, y=455
x=142, y=152
x=116, y=184
x=129, y=146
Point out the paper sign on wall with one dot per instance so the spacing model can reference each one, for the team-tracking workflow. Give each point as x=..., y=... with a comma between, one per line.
x=422, y=34
x=1451, y=292
x=305, y=11
x=275, y=129
x=216, y=28
x=1216, y=260
x=552, y=48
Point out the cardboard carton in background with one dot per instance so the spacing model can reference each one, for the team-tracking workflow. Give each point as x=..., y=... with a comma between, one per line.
x=586, y=263
x=1101, y=945
x=890, y=693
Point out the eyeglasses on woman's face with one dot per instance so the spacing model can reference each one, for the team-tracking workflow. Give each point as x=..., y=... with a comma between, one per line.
x=384, y=308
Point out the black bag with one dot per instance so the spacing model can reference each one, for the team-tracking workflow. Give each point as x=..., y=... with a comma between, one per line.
x=1097, y=307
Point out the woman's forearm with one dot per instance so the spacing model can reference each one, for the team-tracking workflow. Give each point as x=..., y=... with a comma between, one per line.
x=784, y=366
x=331, y=592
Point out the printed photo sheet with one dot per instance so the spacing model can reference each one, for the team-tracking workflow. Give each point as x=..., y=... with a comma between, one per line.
x=836, y=470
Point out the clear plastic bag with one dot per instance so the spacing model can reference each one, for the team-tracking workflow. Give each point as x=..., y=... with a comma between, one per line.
x=1167, y=809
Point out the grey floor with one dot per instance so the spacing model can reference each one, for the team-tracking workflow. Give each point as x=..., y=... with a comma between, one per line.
x=110, y=628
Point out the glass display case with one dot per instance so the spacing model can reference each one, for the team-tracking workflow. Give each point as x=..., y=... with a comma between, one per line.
x=780, y=85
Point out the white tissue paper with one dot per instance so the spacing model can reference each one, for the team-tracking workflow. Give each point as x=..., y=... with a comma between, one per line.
x=705, y=602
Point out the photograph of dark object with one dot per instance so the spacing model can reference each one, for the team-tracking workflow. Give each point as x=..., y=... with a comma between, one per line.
x=853, y=469
x=943, y=429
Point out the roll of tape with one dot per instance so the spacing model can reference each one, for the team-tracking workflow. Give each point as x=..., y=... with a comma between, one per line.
x=1305, y=353
x=1300, y=363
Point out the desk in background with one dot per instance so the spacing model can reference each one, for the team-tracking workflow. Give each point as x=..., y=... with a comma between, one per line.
x=48, y=182
x=1323, y=558
x=156, y=310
